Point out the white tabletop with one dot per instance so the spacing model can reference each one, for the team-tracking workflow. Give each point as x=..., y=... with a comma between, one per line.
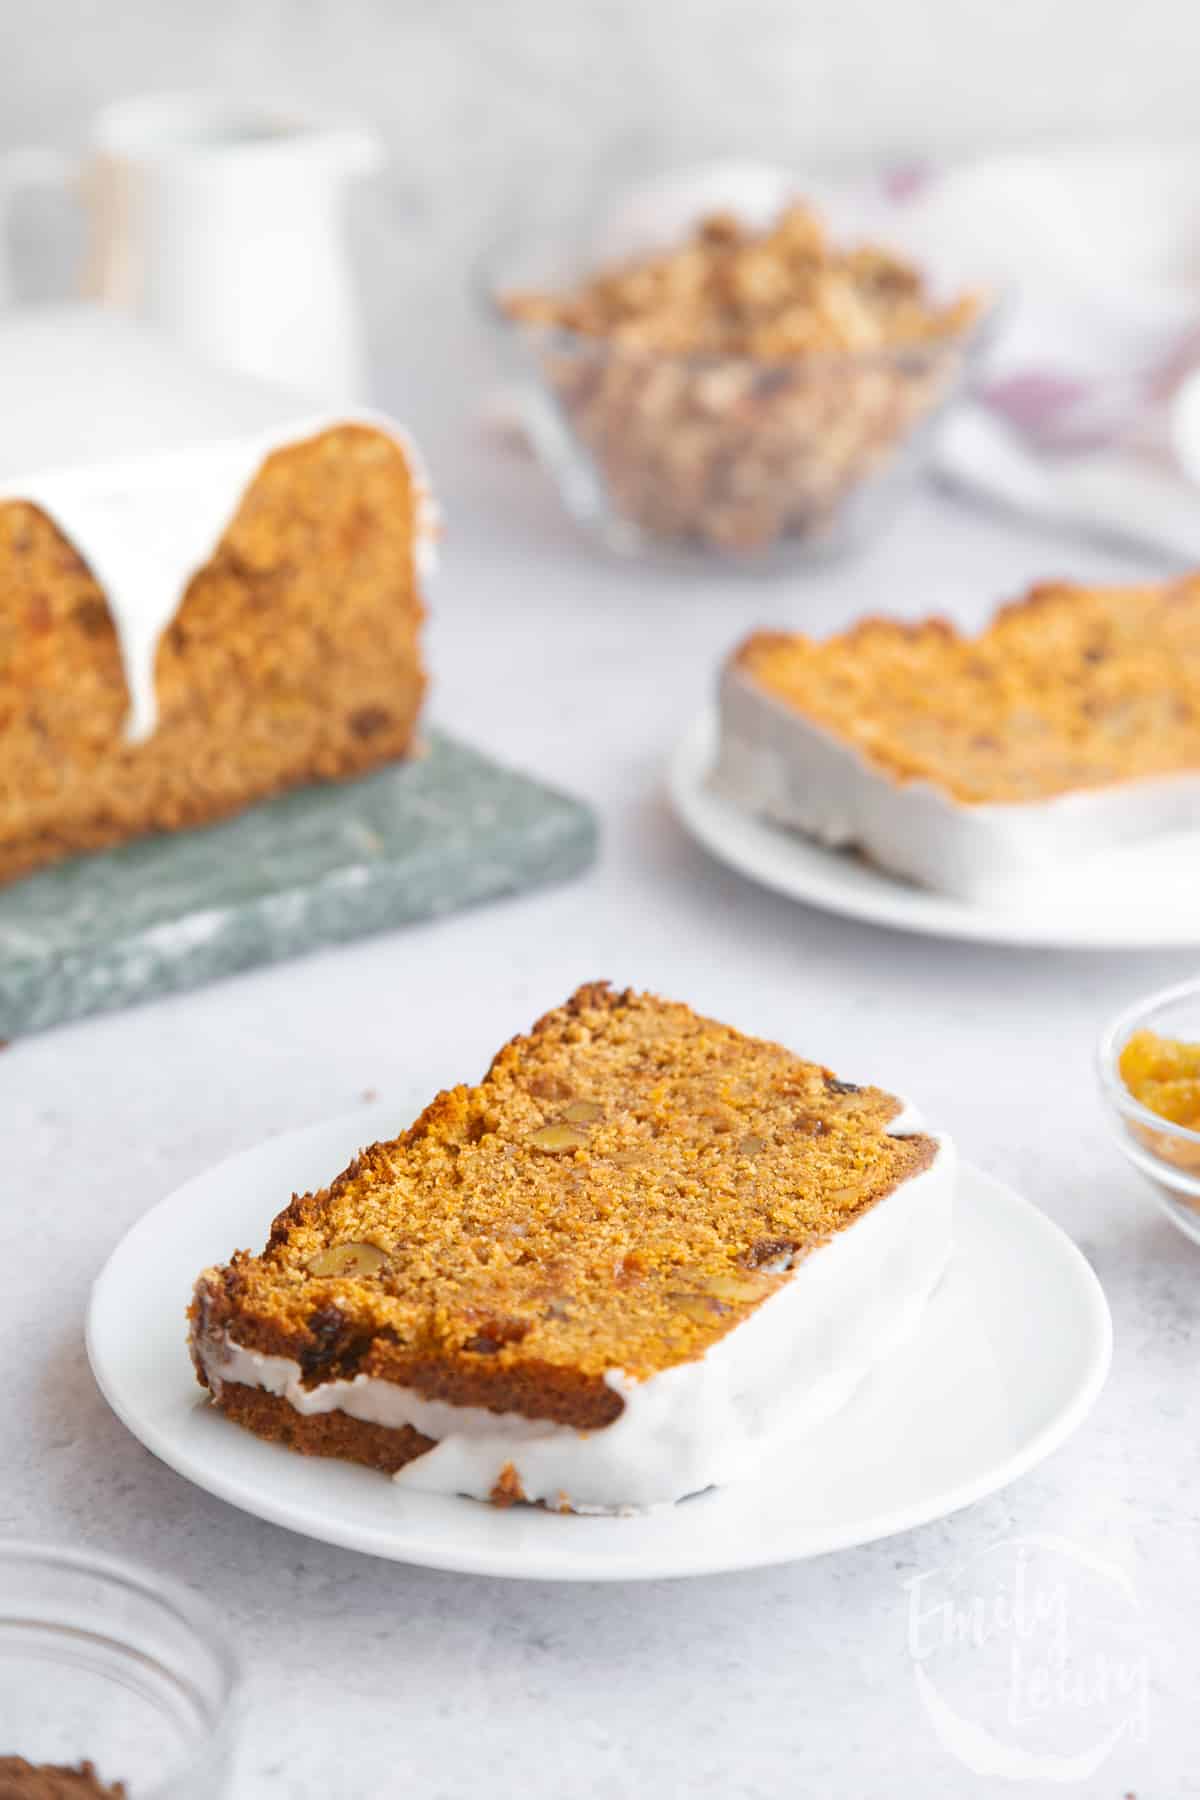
x=369, y=1679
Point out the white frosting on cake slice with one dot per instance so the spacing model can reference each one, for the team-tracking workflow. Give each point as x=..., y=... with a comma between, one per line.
x=773, y=761
x=796, y=1360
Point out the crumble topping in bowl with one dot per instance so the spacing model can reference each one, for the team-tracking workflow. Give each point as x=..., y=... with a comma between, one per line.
x=776, y=295
x=743, y=387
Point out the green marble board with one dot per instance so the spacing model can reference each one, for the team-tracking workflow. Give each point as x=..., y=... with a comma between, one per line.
x=319, y=866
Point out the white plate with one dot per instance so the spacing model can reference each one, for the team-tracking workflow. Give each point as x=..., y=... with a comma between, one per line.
x=1141, y=897
x=1013, y=1350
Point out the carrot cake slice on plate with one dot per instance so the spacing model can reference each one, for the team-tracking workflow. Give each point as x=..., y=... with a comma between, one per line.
x=1069, y=726
x=639, y=1253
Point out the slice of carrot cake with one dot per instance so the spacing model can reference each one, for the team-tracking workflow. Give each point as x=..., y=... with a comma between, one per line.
x=1069, y=726
x=638, y=1253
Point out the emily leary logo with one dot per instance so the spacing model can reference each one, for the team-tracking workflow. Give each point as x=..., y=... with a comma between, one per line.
x=1029, y=1659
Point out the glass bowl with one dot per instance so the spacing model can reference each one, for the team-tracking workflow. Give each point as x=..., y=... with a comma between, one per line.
x=105, y=1663
x=1167, y=1154
x=765, y=463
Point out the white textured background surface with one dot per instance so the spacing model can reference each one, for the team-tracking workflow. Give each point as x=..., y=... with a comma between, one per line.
x=369, y=1680
x=476, y=94
x=459, y=82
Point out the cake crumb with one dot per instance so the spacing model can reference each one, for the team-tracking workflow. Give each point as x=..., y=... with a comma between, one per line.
x=508, y=1490
x=22, y=1780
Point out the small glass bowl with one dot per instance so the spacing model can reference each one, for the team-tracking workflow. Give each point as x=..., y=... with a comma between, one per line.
x=760, y=463
x=1167, y=1154
x=105, y=1663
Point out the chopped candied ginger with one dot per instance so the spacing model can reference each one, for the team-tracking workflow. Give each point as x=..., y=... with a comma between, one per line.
x=1164, y=1074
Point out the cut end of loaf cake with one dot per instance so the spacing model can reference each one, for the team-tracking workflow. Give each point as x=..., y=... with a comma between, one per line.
x=292, y=657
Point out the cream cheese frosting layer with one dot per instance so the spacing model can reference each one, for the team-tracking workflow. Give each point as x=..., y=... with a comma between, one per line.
x=773, y=761
x=144, y=525
x=796, y=1360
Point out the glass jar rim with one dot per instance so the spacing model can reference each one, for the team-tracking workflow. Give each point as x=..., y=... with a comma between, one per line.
x=197, y=1617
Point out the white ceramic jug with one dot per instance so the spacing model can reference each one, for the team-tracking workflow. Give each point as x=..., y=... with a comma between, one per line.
x=219, y=222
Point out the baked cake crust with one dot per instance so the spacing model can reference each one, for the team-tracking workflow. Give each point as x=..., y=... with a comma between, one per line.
x=628, y=1184
x=293, y=658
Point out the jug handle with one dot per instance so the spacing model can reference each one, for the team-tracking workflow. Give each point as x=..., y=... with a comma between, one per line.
x=29, y=167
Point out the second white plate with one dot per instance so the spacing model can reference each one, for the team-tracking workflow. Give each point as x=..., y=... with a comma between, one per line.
x=1013, y=1349
x=1142, y=897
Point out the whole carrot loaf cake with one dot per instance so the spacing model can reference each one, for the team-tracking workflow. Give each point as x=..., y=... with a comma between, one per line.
x=182, y=637
x=640, y=1252
x=1068, y=726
